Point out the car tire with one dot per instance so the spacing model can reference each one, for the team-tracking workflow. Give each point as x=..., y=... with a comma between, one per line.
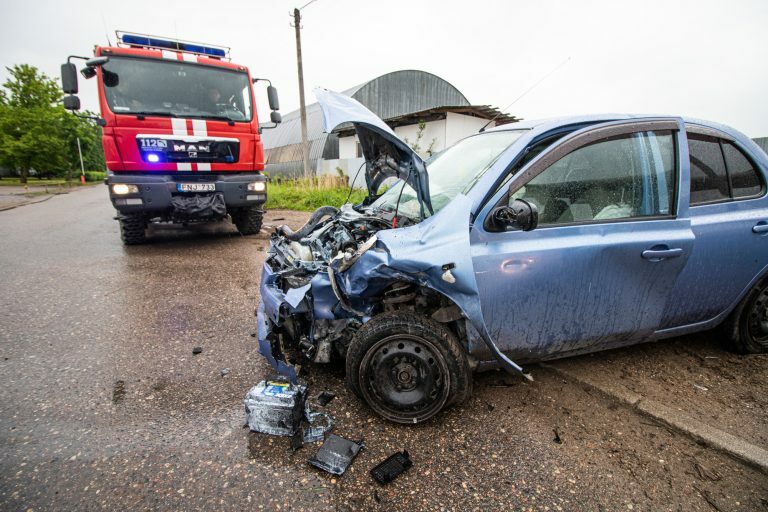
x=407, y=367
x=133, y=229
x=249, y=220
x=747, y=327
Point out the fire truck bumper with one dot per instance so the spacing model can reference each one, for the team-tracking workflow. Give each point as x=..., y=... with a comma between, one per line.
x=159, y=195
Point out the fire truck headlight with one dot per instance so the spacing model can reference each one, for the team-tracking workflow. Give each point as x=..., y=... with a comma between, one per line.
x=122, y=189
x=153, y=157
x=257, y=186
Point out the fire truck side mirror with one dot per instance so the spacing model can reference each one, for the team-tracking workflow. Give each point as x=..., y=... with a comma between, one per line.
x=69, y=78
x=275, y=117
x=71, y=102
x=274, y=103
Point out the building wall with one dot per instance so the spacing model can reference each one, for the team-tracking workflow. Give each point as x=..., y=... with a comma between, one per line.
x=432, y=137
x=459, y=126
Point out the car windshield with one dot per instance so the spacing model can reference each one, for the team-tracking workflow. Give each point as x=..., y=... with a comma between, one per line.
x=176, y=89
x=454, y=171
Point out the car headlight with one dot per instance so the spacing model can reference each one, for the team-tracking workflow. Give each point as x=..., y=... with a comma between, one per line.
x=122, y=189
x=257, y=186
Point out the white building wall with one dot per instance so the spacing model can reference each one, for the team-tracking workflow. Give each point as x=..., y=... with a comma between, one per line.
x=459, y=126
x=433, y=131
x=348, y=147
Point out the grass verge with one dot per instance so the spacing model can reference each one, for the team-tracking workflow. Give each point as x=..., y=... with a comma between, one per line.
x=308, y=196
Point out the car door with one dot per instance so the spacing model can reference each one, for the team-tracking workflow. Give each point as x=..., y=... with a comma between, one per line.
x=728, y=209
x=598, y=270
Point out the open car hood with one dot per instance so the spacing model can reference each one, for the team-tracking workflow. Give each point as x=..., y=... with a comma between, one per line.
x=386, y=155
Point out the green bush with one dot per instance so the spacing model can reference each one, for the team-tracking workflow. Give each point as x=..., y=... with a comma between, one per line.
x=95, y=175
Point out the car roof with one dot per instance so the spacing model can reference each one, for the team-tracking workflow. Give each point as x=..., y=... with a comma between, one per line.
x=546, y=124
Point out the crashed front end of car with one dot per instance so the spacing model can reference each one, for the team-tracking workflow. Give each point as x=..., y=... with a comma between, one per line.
x=321, y=284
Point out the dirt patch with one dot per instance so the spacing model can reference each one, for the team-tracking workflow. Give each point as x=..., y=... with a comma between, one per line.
x=694, y=374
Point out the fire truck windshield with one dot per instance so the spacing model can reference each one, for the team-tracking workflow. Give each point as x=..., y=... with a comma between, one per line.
x=164, y=87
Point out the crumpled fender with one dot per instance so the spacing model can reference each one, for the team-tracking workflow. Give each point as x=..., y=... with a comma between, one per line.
x=418, y=254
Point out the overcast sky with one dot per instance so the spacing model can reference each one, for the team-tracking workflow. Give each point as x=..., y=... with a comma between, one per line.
x=705, y=59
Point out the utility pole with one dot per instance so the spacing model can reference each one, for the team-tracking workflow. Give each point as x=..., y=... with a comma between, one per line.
x=82, y=167
x=303, y=108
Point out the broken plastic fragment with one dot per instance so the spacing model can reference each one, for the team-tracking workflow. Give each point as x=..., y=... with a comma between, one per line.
x=325, y=397
x=320, y=423
x=336, y=454
x=392, y=467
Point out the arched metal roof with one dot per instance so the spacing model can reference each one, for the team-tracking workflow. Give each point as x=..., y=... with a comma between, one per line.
x=391, y=95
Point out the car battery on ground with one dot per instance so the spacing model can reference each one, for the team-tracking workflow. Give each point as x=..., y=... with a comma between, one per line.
x=275, y=406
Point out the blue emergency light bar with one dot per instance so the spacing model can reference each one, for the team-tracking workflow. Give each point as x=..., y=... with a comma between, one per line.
x=148, y=41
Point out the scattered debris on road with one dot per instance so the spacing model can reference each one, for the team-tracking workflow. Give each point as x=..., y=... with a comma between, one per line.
x=197, y=350
x=325, y=397
x=277, y=407
x=225, y=371
x=392, y=467
x=700, y=387
x=557, y=437
x=336, y=454
x=118, y=391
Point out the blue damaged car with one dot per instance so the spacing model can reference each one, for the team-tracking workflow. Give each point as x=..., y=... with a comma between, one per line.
x=531, y=241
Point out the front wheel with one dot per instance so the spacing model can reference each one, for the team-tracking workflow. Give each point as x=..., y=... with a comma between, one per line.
x=407, y=367
x=248, y=220
x=747, y=328
x=133, y=229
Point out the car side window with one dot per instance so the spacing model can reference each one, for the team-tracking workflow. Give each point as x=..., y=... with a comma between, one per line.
x=620, y=177
x=745, y=182
x=709, y=181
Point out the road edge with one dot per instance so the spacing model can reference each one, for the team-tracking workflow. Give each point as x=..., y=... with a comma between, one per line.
x=729, y=444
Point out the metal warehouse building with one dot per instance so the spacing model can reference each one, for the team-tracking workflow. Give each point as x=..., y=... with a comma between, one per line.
x=403, y=99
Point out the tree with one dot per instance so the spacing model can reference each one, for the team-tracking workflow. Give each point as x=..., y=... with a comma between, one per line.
x=35, y=130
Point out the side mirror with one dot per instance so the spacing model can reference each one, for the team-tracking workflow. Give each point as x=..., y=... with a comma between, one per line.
x=69, y=78
x=274, y=103
x=71, y=102
x=275, y=117
x=521, y=214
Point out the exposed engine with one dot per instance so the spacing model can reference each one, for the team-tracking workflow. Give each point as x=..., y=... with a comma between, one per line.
x=329, y=233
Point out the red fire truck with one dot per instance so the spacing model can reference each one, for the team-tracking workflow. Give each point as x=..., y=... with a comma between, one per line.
x=181, y=136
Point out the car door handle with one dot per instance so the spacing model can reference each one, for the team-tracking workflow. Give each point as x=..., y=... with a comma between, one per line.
x=760, y=227
x=660, y=254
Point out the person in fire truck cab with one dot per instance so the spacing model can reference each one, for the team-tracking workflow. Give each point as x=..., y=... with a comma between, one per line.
x=213, y=101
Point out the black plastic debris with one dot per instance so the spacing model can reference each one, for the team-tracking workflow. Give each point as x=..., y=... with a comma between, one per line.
x=297, y=440
x=325, y=397
x=197, y=350
x=557, y=437
x=336, y=454
x=392, y=467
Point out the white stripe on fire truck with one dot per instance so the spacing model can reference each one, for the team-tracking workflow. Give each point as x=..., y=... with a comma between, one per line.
x=200, y=129
x=180, y=128
x=167, y=54
x=190, y=57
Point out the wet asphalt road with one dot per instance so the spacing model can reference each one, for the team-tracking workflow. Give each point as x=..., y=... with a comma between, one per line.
x=104, y=406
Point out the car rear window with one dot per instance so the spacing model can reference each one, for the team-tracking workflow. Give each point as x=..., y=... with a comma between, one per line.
x=745, y=181
x=709, y=180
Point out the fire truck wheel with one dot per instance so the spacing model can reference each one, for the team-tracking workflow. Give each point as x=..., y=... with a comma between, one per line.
x=132, y=229
x=248, y=220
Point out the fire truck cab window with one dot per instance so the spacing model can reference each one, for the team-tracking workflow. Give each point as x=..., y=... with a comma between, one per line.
x=176, y=89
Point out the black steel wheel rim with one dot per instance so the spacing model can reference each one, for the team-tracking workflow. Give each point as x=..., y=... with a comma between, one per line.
x=404, y=378
x=757, y=321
